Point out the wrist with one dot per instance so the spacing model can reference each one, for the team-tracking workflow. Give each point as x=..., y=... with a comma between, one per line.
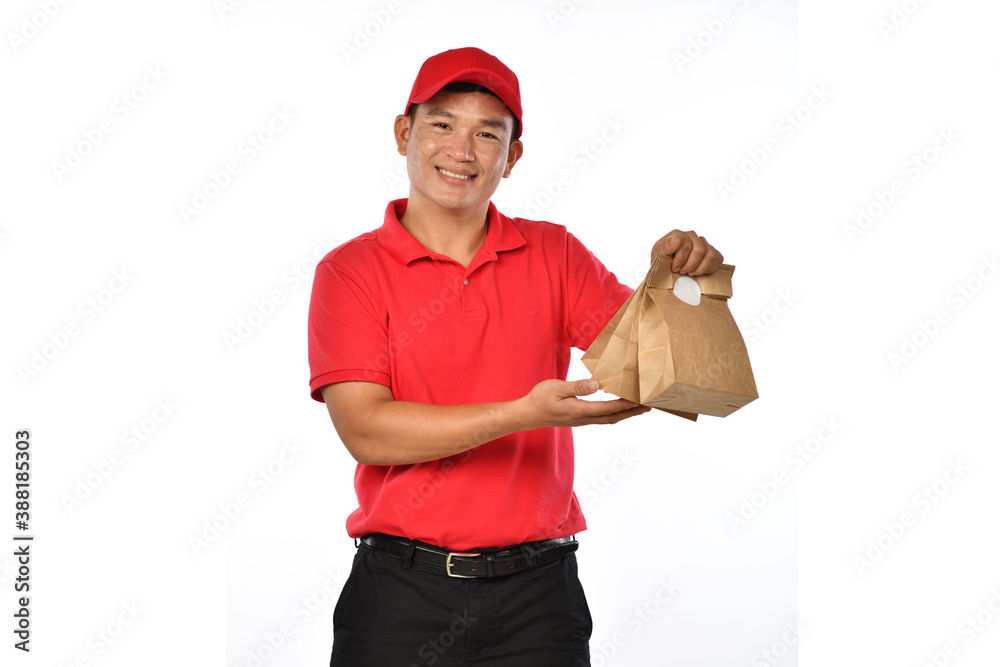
x=518, y=415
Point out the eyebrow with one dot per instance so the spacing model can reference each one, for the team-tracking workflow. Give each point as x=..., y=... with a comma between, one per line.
x=488, y=122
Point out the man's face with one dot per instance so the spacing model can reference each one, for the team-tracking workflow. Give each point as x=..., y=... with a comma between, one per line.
x=457, y=148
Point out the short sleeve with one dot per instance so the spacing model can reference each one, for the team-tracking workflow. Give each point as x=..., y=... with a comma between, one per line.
x=348, y=334
x=594, y=294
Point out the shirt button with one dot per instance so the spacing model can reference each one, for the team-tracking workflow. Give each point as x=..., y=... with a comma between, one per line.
x=466, y=281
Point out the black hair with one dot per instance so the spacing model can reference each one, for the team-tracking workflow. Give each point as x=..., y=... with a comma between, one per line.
x=469, y=87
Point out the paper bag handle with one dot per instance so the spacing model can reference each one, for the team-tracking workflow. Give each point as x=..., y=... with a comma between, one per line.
x=718, y=284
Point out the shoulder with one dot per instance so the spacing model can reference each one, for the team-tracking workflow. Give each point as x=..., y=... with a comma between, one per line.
x=356, y=256
x=552, y=239
x=537, y=228
x=542, y=234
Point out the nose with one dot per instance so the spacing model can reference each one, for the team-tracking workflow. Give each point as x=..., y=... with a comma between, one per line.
x=460, y=147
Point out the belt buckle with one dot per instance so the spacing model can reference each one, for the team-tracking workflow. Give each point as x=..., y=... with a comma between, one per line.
x=448, y=564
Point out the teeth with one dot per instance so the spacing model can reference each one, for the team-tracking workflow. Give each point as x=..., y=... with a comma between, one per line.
x=453, y=174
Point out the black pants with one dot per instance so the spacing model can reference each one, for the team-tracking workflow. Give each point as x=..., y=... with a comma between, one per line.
x=390, y=615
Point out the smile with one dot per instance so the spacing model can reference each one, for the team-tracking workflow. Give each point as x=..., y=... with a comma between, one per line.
x=454, y=175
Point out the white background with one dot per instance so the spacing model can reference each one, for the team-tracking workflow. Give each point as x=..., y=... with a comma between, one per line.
x=872, y=344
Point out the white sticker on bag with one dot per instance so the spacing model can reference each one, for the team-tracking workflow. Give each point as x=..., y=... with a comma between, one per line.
x=687, y=290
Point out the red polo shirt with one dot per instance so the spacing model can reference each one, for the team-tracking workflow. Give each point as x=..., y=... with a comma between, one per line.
x=386, y=309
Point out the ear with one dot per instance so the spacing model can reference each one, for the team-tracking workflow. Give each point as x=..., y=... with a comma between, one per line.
x=514, y=152
x=401, y=128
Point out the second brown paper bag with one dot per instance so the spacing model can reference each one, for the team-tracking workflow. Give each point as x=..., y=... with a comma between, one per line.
x=662, y=352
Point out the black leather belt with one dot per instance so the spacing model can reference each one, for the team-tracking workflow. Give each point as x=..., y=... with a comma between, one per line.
x=468, y=565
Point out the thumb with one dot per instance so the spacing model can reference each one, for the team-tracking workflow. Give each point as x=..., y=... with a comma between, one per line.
x=667, y=245
x=673, y=241
x=583, y=387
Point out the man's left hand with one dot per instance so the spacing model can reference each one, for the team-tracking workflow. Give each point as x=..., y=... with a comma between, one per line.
x=693, y=255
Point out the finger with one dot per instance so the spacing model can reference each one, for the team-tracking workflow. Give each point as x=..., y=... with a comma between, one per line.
x=699, y=249
x=703, y=258
x=682, y=248
x=604, y=408
x=618, y=416
x=628, y=414
x=581, y=387
x=664, y=246
x=711, y=262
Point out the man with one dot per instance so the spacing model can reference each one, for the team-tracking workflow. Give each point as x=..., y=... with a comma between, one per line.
x=440, y=345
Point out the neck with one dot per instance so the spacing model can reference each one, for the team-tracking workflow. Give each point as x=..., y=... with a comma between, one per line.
x=454, y=234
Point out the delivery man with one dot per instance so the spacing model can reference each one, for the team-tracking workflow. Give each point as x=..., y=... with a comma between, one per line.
x=440, y=343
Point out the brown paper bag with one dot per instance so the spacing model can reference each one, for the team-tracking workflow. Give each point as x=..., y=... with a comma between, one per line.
x=660, y=351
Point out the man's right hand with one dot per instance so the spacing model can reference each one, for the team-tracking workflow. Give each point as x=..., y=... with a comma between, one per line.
x=555, y=403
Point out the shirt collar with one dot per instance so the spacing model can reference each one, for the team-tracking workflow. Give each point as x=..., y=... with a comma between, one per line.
x=501, y=235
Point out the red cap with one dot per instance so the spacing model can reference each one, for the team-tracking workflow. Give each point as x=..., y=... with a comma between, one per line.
x=471, y=65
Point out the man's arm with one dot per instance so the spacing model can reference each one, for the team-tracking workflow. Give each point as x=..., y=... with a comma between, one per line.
x=379, y=430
